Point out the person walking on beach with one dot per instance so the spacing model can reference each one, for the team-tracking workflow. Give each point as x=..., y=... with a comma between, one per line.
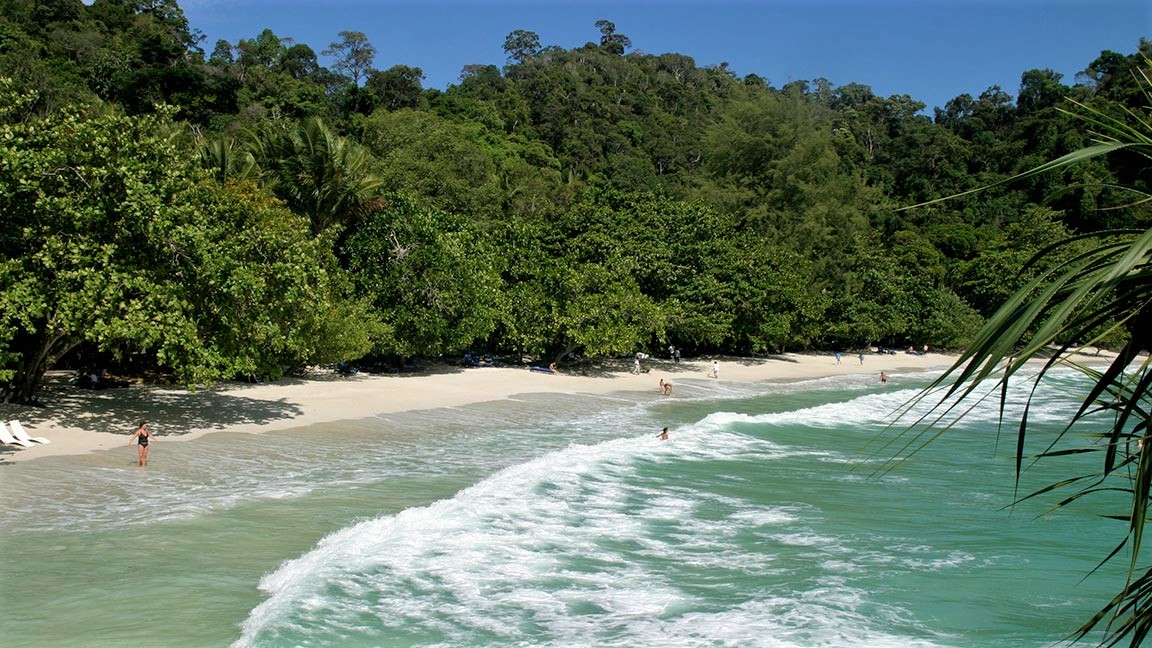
x=676, y=356
x=715, y=369
x=143, y=436
x=837, y=357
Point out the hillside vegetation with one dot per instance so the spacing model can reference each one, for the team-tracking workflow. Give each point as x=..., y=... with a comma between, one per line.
x=239, y=209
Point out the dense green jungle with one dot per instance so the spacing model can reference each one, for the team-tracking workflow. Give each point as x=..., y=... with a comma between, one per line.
x=199, y=211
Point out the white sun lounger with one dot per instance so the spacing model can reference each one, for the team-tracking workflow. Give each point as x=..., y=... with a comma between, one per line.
x=19, y=432
x=8, y=439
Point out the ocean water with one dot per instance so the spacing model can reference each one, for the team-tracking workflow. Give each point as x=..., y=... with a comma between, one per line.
x=563, y=521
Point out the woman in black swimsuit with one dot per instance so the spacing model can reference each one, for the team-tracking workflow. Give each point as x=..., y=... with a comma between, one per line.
x=142, y=436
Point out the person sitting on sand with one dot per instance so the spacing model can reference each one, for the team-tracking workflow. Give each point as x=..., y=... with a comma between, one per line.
x=665, y=387
x=550, y=369
x=142, y=435
x=663, y=436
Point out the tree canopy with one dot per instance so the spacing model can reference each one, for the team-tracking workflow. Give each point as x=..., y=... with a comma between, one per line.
x=598, y=199
x=114, y=239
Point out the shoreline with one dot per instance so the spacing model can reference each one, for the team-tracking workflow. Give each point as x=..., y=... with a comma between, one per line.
x=80, y=421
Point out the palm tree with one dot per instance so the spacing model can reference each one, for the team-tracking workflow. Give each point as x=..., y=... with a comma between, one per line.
x=324, y=177
x=226, y=158
x=1103, y=286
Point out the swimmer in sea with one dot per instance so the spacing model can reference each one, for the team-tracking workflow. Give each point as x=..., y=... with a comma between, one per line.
x=663, y=436
x=143, y=436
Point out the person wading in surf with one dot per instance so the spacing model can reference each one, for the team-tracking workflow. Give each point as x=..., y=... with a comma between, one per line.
x=143, y=436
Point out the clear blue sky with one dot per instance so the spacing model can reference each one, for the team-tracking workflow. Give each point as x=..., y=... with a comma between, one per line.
x=932, y=50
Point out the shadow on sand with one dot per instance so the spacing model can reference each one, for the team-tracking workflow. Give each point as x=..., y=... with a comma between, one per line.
x=118, y=410
x=177, y=411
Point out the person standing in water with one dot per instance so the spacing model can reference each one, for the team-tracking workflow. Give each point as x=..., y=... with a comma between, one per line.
x=143, y=436
x=663, y=436
x=665, y=387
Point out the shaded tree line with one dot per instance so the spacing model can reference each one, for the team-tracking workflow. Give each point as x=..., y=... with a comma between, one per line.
x=249, y=210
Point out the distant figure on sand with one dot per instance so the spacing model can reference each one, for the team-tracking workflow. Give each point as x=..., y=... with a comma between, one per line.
x=676, y=355
x=715, y=369
x=663, y=436
x=665, y=387
x=861, y=358
x=837, y=357
x=142, y=436
x=636, y=365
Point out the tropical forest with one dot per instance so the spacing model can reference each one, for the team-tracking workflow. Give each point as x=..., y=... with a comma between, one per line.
x=207, y=211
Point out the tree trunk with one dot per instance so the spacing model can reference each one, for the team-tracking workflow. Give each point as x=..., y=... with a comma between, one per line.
x=1140, y=327
x=41, y=356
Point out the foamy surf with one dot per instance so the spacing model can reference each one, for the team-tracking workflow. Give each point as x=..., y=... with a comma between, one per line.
x=590, y=545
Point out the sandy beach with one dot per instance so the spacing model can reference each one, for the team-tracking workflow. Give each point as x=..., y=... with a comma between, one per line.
x=78, y=421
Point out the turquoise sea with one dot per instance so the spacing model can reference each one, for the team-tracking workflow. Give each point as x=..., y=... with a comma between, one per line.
x=553, y=520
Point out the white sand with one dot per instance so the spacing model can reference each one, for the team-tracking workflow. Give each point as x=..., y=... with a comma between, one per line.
x=78, y=421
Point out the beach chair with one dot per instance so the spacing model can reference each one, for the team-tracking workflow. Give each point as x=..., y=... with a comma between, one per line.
x=19, y=432
x=8, y=439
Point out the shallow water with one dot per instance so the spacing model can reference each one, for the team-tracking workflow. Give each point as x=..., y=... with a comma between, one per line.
x=557, y=521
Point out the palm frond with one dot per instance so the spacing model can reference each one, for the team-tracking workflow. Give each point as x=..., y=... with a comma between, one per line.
x=1103, y=282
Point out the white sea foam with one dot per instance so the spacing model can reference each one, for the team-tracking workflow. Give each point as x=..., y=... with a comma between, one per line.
x=578, y=545
x=1051, y=404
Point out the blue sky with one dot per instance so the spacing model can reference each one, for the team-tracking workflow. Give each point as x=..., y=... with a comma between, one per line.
x=932, y=50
